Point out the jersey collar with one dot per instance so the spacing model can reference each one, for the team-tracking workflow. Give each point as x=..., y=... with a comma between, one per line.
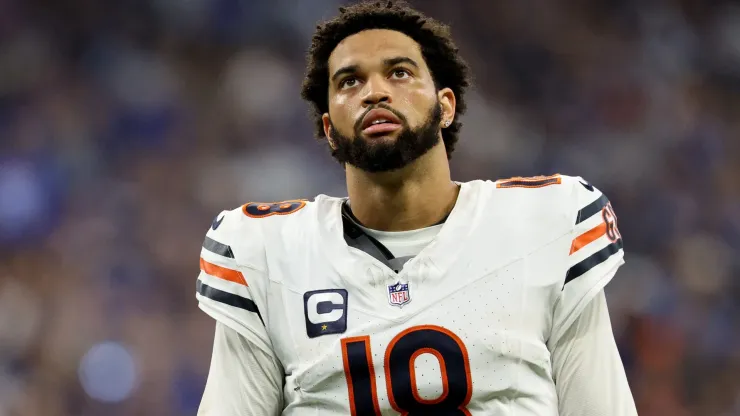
x=440, y=254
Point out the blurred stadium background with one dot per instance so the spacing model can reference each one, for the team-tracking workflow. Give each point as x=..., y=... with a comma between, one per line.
x=125, y=127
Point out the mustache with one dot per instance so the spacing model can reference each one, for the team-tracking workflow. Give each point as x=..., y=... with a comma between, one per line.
x=358, y=123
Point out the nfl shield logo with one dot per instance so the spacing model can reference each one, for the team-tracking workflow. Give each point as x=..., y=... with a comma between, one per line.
x=398, y=294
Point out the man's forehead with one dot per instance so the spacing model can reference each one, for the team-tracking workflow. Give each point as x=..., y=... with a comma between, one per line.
x=372, y=47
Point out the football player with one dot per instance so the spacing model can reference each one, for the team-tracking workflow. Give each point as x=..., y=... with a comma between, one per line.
x=417, y=295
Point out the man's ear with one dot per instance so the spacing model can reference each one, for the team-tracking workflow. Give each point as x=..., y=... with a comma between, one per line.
x=328, y=131
x=448, y=102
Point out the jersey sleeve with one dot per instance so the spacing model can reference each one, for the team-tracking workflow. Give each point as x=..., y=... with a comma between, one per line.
x=242, y=380
x=231, y=286
x=589, y=376
x=593, y=259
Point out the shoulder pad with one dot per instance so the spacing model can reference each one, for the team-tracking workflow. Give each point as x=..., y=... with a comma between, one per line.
x=243, y=229
x=233, y=235
x=570, y=198
x=537, y=196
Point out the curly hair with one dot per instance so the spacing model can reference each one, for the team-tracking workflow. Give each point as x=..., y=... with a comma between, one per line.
x=441, y=55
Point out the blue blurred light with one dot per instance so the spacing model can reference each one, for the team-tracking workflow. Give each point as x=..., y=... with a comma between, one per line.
x=108, y=372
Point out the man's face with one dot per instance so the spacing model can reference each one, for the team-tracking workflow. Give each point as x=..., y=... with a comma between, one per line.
x=384, y=109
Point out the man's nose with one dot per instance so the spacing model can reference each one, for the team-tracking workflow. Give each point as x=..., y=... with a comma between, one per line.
x=377, y=92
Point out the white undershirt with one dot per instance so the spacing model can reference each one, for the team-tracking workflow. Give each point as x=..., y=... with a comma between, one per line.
x=404, y=243
x=587, y=369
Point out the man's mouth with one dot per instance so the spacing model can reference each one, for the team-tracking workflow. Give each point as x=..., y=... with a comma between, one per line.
x=380, y=121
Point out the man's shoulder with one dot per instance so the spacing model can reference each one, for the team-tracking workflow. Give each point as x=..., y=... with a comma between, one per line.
x=558, y=203
x=246, y=229
x=255, y=215
x=539, y=195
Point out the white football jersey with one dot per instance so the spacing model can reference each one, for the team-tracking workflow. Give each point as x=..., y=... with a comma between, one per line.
x=464, y=328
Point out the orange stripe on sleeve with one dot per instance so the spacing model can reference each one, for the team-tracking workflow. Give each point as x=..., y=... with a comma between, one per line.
x=222, y=272
x=588, y=237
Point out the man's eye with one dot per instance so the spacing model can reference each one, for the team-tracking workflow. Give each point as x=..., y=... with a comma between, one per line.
x=400, y=73
x=348, y=82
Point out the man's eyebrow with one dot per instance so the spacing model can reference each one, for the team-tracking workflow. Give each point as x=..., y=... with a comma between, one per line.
x=349, y=69
x=400, y=60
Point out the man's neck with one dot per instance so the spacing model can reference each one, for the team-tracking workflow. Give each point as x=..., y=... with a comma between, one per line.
x=417, y=196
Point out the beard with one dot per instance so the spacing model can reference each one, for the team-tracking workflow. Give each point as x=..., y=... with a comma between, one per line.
x=388, y=155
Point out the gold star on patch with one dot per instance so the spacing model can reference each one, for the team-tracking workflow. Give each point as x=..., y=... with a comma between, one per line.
x=323, y=327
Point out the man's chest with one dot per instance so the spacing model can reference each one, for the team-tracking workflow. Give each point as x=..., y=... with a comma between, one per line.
x=421, y=339
x=463, y=326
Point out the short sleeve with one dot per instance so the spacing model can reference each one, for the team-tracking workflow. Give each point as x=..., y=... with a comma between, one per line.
x=596, y=252
x=230, y=291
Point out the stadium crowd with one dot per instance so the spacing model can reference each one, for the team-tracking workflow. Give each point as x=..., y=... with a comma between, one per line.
x=125, y=127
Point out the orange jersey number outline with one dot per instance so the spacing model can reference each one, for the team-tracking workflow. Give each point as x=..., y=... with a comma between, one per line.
x=400, y=374
x=268, y=209
x=530, y=182
x=610, y=219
